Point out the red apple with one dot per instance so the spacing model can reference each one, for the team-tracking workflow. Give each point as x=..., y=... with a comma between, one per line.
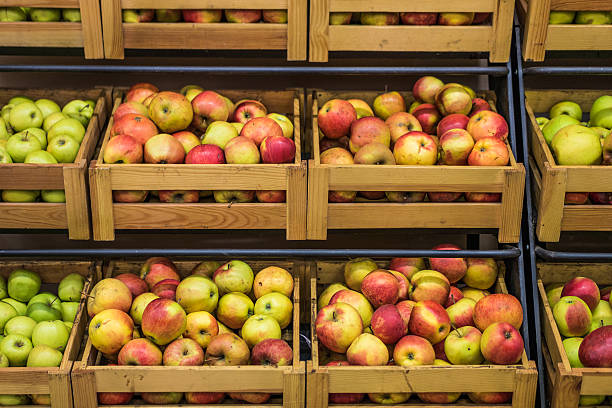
x=601, y=198
x=501, y=343
x=358, y=301
x=335, y=118
x=146, y=85
x=454, y=295
x=483, y=197
x=187, y=139
x=250, y=397
x=123, y=149
x=157, y=269
x=139, y=94
x=183, y=352
x=489, y=151
x=405, y=310
x=461, y=313
x=479, y=105
x=401, y=123
x=456, y=145
x=454, y=121
x=133, y=107
x=426, y=88
x=439, y=350
x=584, y=288
x=140, y=352
x=389, y=103
x=163, y=321
x=404, y=196
x=430, y=285
x=202, y=16
x=163, y=149
x=343, y=398
x=337, y=326
x=338, y=155
x=179, y=196
x=138, y=126
x=605, y=293
x=388, y=325
x=208, y=107
x=276, y=149
x=429, y=320
x=170, y=111
x=487, y=123
x=248, y=109
x=498, y=307
x=227, y=349
x=242, y=16
x=413, y=351
x=453, y=98
x=129, y=196
x=480, y=18
x=419, y=18
x=596, y=348
x=404, y=285
x=241, y=150
x=453, y=268
x=136, y=285
x=368, y=130
x=428, y=116
x=274, y=352
x=110, y=330
x=407, y=266
x=443, y=197
x=275, y=16
x=380, y=287
x=166, y=288
x=367, y=350
x=576, y=198
x=204, y=397
x=415, y=148
x=490, y=397
x=258, y=129
x=205, y=154
x=271, y=196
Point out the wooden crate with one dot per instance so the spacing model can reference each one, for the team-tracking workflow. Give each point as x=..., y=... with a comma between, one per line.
x=291, y=216
x=494, y=39
x=539, y=36
x=216, y=36
x=567, y=384
x=552, y=181
x=520, y=379
x=89, y=377
x=87, y=34
x=52, y=380
x=504, y=216
x=71, y=177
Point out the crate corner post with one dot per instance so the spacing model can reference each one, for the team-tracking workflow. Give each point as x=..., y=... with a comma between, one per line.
x=552, y=199
x=319, y=30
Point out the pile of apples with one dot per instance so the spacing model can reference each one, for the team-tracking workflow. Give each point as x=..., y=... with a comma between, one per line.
x=382, y=18
x=40, y=132
x=447, y=124
x=576, y=143
x=35, y=326
x=205, y=16
x=41, y=15
x=409, y=315
x=155, y=319
x=583, y=314
x=197, y=127
x=580, y=17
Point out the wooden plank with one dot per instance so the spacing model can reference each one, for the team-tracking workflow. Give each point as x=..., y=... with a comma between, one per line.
x=318, y=196
x=596, y=381
x=77, y=203
x=21, y=176
x=294, y=384
x=541, y=100
x=60, y=388
x=205, y=4
x=584, y=5
x=551, y=332
x=587, y=218
x=565, y=388
x=35, y=34
x=525, y=387
x=413, y=215
x=112, y=24
x=481, y=6
x=101, y=193
x=200, y=216
x=84, y=387
x=596, y=178
x=198, y=176
x=93, y=46
x=214, y=36
x=553, y=272
x=33, y=215
x=552, y=198
x=512, y=206
x=297, y=30
x=319, y=30
x=569, y=37
x=409, y=38
x=25, y=380
x=536, y=30
x=502, y=28
x=40, y=3
x=317, y=391
x=297, y=194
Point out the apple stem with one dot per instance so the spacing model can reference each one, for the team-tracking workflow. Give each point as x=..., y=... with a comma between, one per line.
x=229, y=205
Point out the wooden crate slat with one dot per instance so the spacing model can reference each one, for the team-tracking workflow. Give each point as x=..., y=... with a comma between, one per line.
x=552, y=272
x=200, y=216
x=411, y=6
x=205, y=4
x=583, y=5
x=35, y=34
x=33, y=215
x=409, y=38
x=576, y=37
x=24, y=380
x=587, y=218
x=21, y=176
x=541, y=100
x=214, y=36
x=40, y=3
x=596, y=381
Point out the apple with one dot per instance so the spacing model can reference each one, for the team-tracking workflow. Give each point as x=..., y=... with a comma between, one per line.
x=47, y=299
x=205, y=268
x=413, y=351
x=357, y=300
x=553, y=294
x=170, y=111
x=67, y=127
x=242, y=16
x=483, y=197
x=272, y=279
x=404, y=285
x=392, y=398
x=69, y=311
x=248, y=109
x=196, y=293
x=227, y=349
x=275, y=352
x=326, y=144
x=501, y=343
x=45, y=14
x=584, y=288
x=550, y=129
x=479, y=105
x=571, y=346
x=241, y=150
x=43, y=312
x=16, y=348
x=135, y=284
x=336, y=117
x=204, y=397
x=20, y=145
x=183, y=352
x=284, y=123
x=426, y=88
x=187, y=139
x=140, y=352
x=361, y=107
x=109, y=293
x=596, y=348
x=276, y=149
x=429, y=285
x=601, y=315
x=338, y=155
x=13, y=14
x=473, y=293
x=234, y=309
x=455, y=19
x=401, y=123
x=79, y=110
x=407, y=266
x=219, y=133
x=234, y=276
x=135, y=125
x=275, y=305
x=419, y=18
x=166, y=288
x=22, y=285
x=388, y=324
x=367, y=130
x=205, y=154
x=110, y=330
x=131, y=107
x=601, y=198
x=429, y=320
x=481, y=273
x=123, y=149
x=161, y=398
x=379, y=19
x=168, y=16
x=498, y=307
x=428, y=117
x=64, y=149
x=140, y=94
x=461, y=313
x=573, y=316
x=163, y=149
x=542, y=121
x=462, y=346
x=22, y=325
x=47, y=107
x=380, y=287
x=129, y=196
x=7, y=312
x=453, y=98
x=202, y=16
x=337, y=325
x=387, y=104
x=163, y=320
x=179, y=196
x=25, y=115
x=258, y=129
x=20, y=307
x=568, y=108
x=260, y=327
x=404, y=196
x=415, y=148
x=233, y=196
x=456, y=145
x=325, y=297
x=454, y=295
x=201, y=327
x=367, y=350
x=44, y=356
x=376, y=154
x=51, y=333
x=452, y=121
x=592, y=17
x=488, y=124
x=489, y=397
x=489, y=151
x=337, y=18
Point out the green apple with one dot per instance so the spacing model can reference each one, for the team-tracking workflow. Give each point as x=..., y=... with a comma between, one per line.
x=71, y=287
x=12, y=14
x=23, y=325
x=16, y=100
x=69, y=325
x=19, y=145
x=3, y=290
x=553, y=293
x=79, y=110
x=91, y=103
x=42, y=312
x=64, y=149
x=20, y=196
x=44, y=356
x=7, y=312
x=53, y=334
x=4, y=134
x=40, y=134
x=4, y=156
x=571, y=346
x=72, y=15
x=592, y=17
x=602, y=315
x=23, y=284
x=590, y=400
x=577, y=145
x=541, y=121
x=25, y=115
x=67, y=127
x=47, y=107
x=45, y=15
x=6, y=115
x=20, y=307
x=601, y=103
x=16, y=347
x=52, y=119
x=603, y=119
x=53, y=196
x=17, y=399
x=568, y=108
x=48, y=299
x=69, y=311
x=3, y=359
x=556, y=124
x=561, y=17
x=602, y=132
x=40, y=157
